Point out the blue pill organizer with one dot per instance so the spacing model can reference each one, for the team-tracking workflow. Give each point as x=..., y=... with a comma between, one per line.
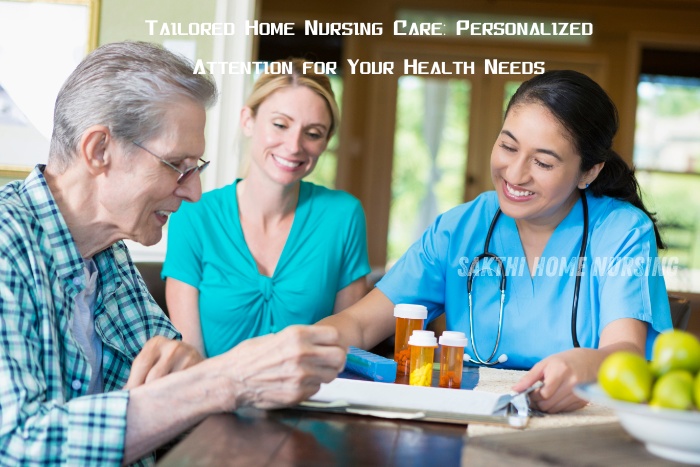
x=369, y=365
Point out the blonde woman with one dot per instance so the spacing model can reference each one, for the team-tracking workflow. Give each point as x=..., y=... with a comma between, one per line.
x=269, y=250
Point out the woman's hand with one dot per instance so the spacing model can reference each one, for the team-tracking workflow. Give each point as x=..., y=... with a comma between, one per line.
x=560, y=373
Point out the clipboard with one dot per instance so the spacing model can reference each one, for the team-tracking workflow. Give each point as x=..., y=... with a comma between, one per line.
x=430, y=404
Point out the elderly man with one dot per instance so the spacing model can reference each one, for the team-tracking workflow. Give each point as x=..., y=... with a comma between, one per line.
x=91, y=371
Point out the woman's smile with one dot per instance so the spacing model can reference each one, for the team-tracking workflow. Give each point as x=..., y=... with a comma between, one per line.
x=286, y=163
x=516, y=194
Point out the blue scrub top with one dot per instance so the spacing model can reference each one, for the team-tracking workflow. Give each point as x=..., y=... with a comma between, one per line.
x=621, y=278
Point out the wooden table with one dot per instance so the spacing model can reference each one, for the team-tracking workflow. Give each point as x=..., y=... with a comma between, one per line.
x=294, y=437
x=593, y=445
x=298, y=437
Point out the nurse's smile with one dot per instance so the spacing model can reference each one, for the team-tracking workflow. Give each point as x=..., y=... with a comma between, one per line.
x=515, y=193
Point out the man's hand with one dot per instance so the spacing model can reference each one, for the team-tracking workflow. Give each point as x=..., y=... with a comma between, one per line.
x=159, y=357
x=270, y=371
x=280, y=369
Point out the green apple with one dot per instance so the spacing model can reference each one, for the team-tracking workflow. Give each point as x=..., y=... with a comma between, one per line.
x=673, y=390
x=675, y=350
x=626, y=376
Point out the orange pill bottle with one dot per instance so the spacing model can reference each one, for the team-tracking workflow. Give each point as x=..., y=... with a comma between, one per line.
x=452, y=344
x=423, y=345
x=409, y=318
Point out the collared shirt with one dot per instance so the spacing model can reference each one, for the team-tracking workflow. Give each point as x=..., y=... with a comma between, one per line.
x=82, y=324
x=46, y=418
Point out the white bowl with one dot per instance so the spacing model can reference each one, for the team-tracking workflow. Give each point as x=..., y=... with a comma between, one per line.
x=672, y=434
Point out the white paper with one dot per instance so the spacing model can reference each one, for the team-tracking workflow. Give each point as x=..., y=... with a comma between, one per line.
x=404, y=397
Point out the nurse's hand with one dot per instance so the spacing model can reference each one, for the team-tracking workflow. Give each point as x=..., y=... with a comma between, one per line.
x=560, y=373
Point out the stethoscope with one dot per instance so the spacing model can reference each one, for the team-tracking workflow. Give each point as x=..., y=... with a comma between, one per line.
x=470, y=278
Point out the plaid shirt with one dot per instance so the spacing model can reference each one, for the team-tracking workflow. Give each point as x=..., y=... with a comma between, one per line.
x=46, y=418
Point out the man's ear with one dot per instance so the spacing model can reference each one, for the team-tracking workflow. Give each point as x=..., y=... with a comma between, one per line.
x=92, y=150
x=247, y=120
x=590, y=175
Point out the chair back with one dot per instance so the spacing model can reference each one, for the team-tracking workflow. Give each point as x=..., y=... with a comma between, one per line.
x=150, y=271
x=680, y=312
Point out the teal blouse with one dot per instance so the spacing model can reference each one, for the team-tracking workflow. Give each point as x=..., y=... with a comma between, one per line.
x=326, y=251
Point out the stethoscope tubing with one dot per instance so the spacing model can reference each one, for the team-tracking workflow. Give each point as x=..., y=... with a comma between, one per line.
x=502, y=287
x=579, y=270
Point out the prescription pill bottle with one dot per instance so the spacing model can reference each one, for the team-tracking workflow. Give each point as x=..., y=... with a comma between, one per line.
x=422, y=344
x=452, y=344
x=409, y=318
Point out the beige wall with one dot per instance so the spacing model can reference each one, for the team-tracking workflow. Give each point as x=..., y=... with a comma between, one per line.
x=125, y=20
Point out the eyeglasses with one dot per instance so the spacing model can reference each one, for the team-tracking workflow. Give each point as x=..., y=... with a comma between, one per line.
x=184, y=175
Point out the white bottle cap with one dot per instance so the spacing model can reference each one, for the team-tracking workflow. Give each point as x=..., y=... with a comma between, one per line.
x=453, y=339
x=410, y=311
x=423, y=339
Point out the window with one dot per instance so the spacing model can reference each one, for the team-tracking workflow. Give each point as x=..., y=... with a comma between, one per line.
x=430, y=156
x=667, y=160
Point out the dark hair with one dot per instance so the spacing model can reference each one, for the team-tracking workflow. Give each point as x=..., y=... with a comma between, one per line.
x=590, y=117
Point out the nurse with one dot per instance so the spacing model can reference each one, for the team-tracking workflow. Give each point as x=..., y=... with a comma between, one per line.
x=554, y=170
x=269, y=250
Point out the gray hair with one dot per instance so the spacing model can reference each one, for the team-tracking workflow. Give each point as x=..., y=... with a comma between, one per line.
x=126, y=86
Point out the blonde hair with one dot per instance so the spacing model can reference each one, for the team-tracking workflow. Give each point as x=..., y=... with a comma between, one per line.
x=268, y=83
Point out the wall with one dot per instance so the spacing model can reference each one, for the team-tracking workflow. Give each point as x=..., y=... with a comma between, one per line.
x=621, y=28
x=125, y=20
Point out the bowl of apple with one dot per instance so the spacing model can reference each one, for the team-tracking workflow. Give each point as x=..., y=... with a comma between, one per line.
x=657, y=402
